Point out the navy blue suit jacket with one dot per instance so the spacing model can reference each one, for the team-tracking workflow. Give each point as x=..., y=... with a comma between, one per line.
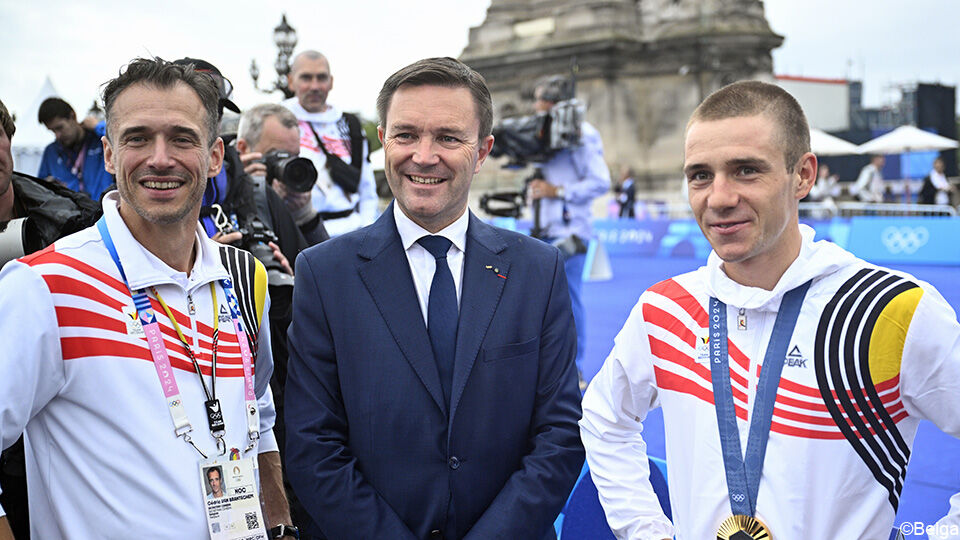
x=372, y=449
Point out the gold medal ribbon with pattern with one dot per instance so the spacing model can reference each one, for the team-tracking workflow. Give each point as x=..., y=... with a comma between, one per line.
x=740, y=527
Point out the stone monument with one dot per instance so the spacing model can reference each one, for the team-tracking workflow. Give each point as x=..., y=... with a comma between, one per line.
x=641, y=66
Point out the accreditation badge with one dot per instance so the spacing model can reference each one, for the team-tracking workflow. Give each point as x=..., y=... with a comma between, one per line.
x=740, y=527
x=231, y=499
x=132, y=321
x=703, y=349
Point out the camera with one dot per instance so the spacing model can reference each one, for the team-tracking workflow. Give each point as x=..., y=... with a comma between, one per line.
x=535, y=138
x=13, y=239
x=255, y=237
x=296, y=173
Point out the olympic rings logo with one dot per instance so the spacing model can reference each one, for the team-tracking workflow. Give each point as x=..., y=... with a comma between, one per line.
x=904, y=239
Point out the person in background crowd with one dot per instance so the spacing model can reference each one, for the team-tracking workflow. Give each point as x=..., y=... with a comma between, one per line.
x=627, y=194
x=432, y=391
x=271, y=128
x=869, y=187
x=563, y=197
x=345, y=194
x=75, y=158
x=263, y=129
x=77, y=373
x=825, y=191
x=936, y=188
x=853, y=357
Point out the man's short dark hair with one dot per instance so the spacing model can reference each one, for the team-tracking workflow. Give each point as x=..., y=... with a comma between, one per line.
x=54, y=107
x=554, y=88
x=161, y=74
x=445, y=71
x=6, y=121
x=752, y=98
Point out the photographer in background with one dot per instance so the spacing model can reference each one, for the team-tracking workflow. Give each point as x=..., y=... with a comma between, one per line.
x=563, y=194
x=268, y=140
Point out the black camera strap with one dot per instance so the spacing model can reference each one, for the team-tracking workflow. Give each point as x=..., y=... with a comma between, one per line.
x=337, y=167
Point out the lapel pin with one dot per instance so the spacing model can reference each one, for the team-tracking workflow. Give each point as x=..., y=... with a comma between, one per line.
x=495, y=271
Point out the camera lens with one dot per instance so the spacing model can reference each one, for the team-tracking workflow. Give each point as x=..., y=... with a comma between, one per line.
x=299, y=174
x=296, y=173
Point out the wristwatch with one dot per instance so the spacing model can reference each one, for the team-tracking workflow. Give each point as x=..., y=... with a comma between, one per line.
x=281, y=531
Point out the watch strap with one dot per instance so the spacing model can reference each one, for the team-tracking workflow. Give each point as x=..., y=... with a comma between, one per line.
x=281, y=531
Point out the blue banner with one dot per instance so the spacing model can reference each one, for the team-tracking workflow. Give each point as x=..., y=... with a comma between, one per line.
x=880, y=240
x=909, y=240
x=652, y=238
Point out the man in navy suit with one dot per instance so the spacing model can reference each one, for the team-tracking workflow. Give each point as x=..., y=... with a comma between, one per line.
x=432, y=391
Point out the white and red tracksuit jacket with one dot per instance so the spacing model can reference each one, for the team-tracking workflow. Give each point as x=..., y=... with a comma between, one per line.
x=102, y=458
x=873, y=353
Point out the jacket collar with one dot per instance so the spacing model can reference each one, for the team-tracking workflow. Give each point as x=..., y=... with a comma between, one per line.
x=816, y=259
x=386, y=274
x=144, y=269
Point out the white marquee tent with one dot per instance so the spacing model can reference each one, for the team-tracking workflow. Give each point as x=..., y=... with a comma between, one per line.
x=31, y=136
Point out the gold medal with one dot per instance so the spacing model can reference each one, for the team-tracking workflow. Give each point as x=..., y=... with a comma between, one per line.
x=740, y=527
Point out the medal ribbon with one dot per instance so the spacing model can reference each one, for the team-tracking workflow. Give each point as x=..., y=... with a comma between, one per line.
x=743, y=473
x=77, y=167
x=161, y=358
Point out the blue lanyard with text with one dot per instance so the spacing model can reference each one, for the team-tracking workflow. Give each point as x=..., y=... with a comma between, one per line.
x=743, y=472
x=168, y=383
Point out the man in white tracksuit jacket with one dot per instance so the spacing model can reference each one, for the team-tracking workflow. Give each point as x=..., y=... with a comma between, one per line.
x=872, y=353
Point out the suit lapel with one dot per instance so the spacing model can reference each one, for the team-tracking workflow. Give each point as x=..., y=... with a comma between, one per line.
x=480, y=293
x=386, y=274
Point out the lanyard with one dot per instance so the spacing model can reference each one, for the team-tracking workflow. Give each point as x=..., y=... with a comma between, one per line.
x=743, y=473
x=161, y=359
x=77, y=167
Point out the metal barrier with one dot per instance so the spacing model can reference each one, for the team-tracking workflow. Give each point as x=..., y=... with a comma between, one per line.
x=849, y=209
x=657, y=209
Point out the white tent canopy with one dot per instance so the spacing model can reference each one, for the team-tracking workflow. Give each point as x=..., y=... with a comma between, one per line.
x=824, y=144
x=906, y=139
x=31, y=136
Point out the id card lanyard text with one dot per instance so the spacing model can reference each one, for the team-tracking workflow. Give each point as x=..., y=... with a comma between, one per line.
x=161, y=360
x=743, y=471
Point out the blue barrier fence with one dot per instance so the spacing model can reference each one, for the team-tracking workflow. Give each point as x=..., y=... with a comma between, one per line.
x=881, y=240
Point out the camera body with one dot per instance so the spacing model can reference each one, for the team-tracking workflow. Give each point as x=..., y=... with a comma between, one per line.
x=535, y=138
x=256, y=235
x=296, y=173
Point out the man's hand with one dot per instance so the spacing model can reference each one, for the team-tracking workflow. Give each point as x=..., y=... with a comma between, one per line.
x=253, y=164
x=541, y=189
x=5, y=532
x=278, y=255
x=276, y=509
x=90, y=122
x=298, y=203
x=229, y=238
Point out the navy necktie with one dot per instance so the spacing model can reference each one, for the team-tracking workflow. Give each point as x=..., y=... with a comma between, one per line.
x=442, y=312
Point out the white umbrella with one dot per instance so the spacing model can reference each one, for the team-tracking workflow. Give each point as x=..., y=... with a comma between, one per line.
x=824, y=144
x=906, y=139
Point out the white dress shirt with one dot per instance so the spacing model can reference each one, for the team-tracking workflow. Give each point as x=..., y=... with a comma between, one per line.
x=422, y=263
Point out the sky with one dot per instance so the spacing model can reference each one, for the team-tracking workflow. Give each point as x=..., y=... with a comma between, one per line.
x=80, y=45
